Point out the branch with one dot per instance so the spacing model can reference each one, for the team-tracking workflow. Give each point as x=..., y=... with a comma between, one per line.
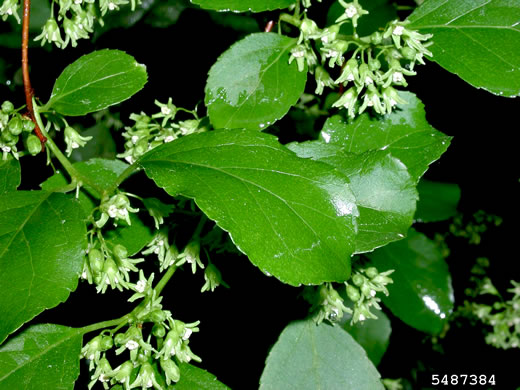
x=25, y=70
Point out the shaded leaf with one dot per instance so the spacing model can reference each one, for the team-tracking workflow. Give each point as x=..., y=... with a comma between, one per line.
x=41, y=357
x=309, y=357
x=476, y=39
x=42, y=248
x=293, y=217
x=421, y=295
x=10, y=175
x=133, y=237
x=384, y=191
x=405, y=133
x=96, y=81
x=372, y=334
x=252, y=84
x=437, y=201
x=243, y=5
x=195, y=378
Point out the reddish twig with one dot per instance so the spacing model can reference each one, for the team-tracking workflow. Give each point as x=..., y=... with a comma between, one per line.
x=269, y=26
x=25, y=70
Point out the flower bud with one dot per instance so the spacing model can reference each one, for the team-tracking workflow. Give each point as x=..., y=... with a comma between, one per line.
x=159, y=331
x=376, y=38
x=120, y=251
x=371, y=272
x=34, y=146
x=358, y=280
x=106, y=343
x=7, y=107
x=173, y=374
x=9, y=138
x=408, y=53
x=28, y=125
x=15, y=125
x=96, y=260
x=353, y=293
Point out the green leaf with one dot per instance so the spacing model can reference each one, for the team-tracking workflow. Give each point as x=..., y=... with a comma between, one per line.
x=310, y=357
x=421, y=295
x=41, y=357
x=405, y=133
x=103, y=173
x=437, y=201
x=195, y=378
x=476, y=39
x=252, y=84
x=385, y=193
x=10, y=175
x=380, y=13
x=293, y=217
x=42, y=247
x=96, y=81
x=373, y=335
x=243, y=5
x=133, y=237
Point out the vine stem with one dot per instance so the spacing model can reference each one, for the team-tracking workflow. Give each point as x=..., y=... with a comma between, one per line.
x=25, y=71
x=73, y=172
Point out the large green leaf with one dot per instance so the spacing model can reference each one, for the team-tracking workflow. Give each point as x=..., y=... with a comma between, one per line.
x=42, y=246
x=385, y=193
x=41, y=357
x=373, y=335
x=405, y=133
x=380, y=12
x=9, y=175
x=310, y=357
x=421, y=295
x=194, y=378
x=475, y=39
x=133, y=237
x=293, y=217
x=437, y=201
x=244, y=5
x=96, y=81
x=252, y=84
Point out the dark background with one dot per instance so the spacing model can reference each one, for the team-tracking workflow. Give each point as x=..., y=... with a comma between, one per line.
x=239, y=325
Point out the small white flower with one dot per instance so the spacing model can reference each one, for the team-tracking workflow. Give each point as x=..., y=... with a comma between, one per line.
x=397, y=77
x=140, y=286
x=134, y=139
x=169, y=139
x=112, y=211
x=84, y=274
x=351, y=11
x=111, y=6
x=362, y=317
x=74, y=145
x=373, y=293
x=165, y=110
x=398, y=30
x=129, y=159
x=187, y=333
x=131, y=345
x=6, y=149
x=368, y=80
x=298, y=54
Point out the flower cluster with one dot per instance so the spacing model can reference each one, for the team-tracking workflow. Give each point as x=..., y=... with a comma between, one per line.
x=117, y=207
x=501, y=315
x=155, y=344
x=76, y=18
x=149, y=132
x=376, y=64
x=328, y=304
x=111, y=267
x=12, y=125
x=366, y=283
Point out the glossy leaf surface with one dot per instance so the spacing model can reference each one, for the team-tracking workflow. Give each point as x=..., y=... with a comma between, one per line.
x=385, y=193
x=309, y=357
x=475, y=39
x=252, y=84
x=421, y=295
x=41, y=357
x=9, y=175
x=405, y=133
x=437, y=201
x=372, y=335
x=243, y=5
x=293, y=217
x=96, y=81
x=42, y=246
x=193, y=377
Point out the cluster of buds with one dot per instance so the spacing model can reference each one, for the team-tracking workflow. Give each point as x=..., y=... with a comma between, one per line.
x=117, y=207
x=12, y=125
x=104, y=267
x=377, y=63
x=153, y=359
x=366, y=283
x=501, y=315
x=328, y=304
x=148, y=132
